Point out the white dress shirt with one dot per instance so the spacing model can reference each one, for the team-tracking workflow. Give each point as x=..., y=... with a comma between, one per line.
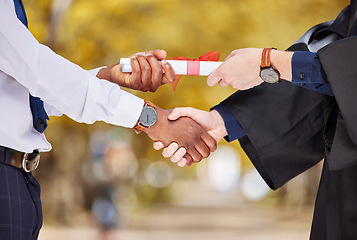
x=27, y=66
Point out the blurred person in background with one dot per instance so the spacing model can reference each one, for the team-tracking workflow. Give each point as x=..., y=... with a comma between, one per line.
x=288, y=126
x=36, y=83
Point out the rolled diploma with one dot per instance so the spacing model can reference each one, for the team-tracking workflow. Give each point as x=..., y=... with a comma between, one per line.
x=179, y=66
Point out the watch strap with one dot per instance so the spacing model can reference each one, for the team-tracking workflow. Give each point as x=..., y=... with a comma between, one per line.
x=140, y=127
x=150, y=104
x=266, y=57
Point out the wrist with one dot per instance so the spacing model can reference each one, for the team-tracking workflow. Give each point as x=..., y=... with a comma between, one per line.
x=219, y=127
x=281, y=60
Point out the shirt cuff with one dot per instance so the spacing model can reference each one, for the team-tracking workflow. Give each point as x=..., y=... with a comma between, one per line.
x=107, y=102
x=131, y=106
x=233, y=127
x=95, y=71
x=307, y=72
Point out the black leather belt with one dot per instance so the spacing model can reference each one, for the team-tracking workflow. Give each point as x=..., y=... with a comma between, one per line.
x=28, y=161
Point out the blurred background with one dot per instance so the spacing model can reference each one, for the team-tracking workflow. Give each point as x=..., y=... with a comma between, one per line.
x=105, y=182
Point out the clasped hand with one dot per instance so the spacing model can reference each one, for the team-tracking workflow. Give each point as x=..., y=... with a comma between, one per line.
x=195, y=142
x=212, y=122
x=148, y=74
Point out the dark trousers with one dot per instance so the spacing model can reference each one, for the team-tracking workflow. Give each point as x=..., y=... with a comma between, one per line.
x=20, y=204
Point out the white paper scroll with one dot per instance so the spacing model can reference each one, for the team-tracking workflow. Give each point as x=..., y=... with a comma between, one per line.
x=182, y=67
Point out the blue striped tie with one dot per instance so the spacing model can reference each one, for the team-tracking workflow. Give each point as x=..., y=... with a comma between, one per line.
x=39, y=114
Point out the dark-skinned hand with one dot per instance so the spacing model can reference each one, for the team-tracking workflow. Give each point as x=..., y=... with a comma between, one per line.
x=148, y=74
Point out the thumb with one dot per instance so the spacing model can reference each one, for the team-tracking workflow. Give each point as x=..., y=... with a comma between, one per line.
x=180, y=112
x=175, y=114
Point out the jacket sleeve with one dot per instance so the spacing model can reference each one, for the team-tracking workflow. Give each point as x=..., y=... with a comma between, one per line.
x=339, y=61
x=284, y=126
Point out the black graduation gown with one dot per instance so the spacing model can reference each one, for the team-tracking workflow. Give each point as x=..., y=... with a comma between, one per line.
x=290, y=129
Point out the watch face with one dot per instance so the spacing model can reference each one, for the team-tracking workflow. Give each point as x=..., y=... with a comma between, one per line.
x=269, y=75
x=148, y=116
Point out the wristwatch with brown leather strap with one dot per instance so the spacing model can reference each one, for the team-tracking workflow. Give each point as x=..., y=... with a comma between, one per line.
x=148, y=117
x=267, y=72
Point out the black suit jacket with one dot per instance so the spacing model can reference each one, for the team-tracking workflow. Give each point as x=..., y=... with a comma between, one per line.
x=289, y=128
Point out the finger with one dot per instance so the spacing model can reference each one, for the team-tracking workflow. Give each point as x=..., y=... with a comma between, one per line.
x=175, y=114
x=178, y=155
x=158, y=53
x=158, y=145
x=135, y=81
x=209, y=141
x=182, y=162
x=169, y=75
x=202, y=149
x=135, y=54
x=222, y=83
x=189, y=160
x=145, y=72
x=182, y=112
x=189, y=164
x=170, y=150
x=156, y=72
x=215, y=76
x=196, y=156
x=213, y=79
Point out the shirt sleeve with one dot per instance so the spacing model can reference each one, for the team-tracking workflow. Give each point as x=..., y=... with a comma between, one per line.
x=95, y=71
x=307, y=72
x=233, y=127
x=58, y=82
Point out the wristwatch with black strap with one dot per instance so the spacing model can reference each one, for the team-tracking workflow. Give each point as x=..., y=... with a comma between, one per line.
x=267, y=72
x=148, y=117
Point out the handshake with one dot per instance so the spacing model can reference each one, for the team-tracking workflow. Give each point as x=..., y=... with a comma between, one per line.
x=187, y=135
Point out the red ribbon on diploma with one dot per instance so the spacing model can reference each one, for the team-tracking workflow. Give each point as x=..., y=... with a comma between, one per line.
x=193, y=66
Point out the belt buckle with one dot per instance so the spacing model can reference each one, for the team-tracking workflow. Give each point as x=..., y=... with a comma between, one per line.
x=30, y=161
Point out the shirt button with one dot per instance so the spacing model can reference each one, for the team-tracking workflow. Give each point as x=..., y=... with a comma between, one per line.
x=302, y=76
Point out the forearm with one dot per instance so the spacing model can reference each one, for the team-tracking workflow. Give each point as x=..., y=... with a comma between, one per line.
x=64, y=85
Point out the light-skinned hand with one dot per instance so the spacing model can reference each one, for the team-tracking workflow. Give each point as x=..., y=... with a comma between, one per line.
x=240, y=70
x=242, y=67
